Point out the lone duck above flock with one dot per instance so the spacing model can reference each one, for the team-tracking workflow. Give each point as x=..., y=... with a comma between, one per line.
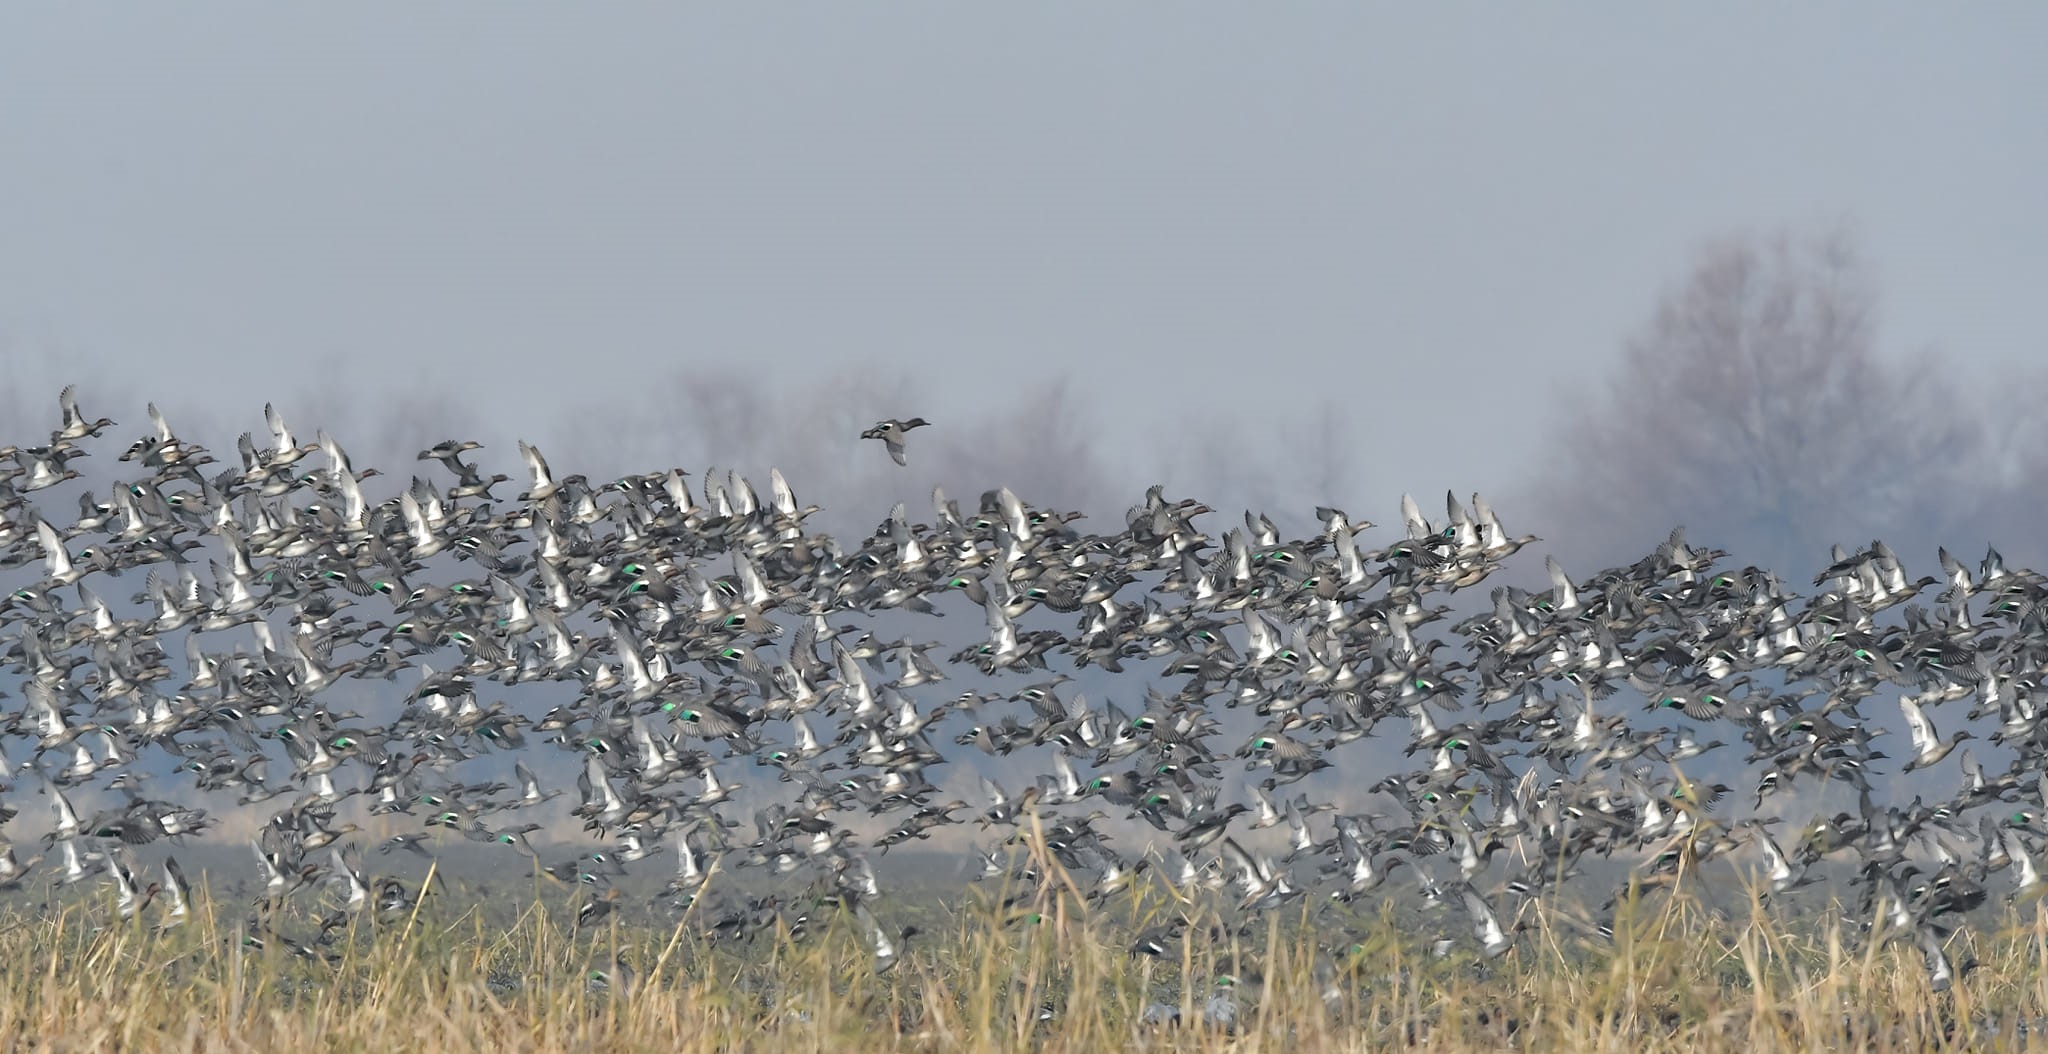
x=890, y=432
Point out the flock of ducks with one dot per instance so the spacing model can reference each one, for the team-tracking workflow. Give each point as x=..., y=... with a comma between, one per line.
x=683, y=634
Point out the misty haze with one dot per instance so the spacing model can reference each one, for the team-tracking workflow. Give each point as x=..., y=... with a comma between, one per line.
x=1054, y=528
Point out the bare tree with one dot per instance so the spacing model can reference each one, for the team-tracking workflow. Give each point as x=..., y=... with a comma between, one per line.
x=1753, y=409
x=1284, y=470
x=2014, y=496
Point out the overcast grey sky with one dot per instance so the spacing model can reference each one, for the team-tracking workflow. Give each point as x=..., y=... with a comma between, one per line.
x=1442, y=211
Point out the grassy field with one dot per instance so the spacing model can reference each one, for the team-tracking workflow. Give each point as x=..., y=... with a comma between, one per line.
x=465, y=973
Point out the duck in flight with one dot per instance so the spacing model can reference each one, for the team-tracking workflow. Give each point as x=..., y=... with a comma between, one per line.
x=890, y=432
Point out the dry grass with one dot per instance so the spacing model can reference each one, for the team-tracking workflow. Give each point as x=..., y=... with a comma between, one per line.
x=1675, y=977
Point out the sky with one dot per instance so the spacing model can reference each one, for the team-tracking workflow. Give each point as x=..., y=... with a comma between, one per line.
x=1447, y=216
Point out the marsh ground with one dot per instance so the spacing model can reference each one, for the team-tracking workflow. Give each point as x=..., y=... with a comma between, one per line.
x=491, y=967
